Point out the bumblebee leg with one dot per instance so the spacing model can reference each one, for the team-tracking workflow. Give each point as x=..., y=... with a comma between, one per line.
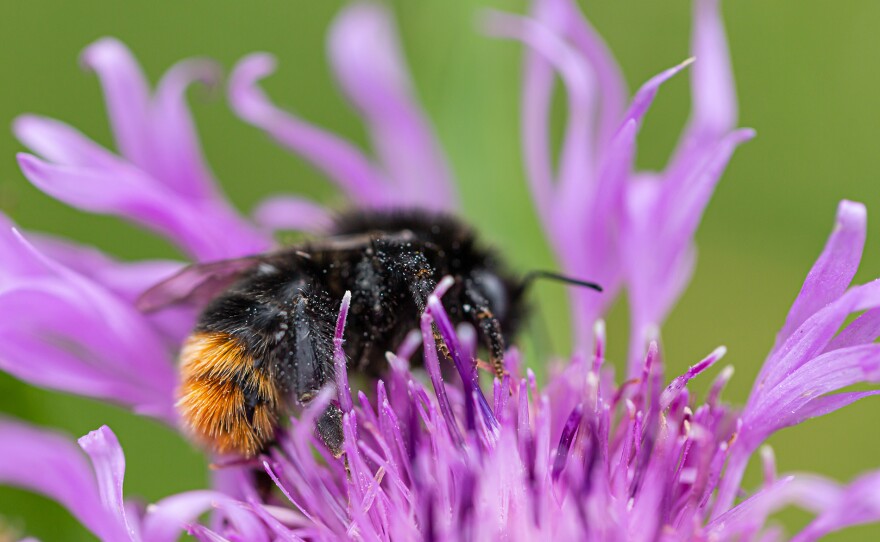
x=373, y=308
x=407, y=266
x=489, y=326
x=313, y=365
x=330, y=429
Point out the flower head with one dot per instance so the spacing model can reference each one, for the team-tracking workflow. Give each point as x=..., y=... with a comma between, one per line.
x=426, y=457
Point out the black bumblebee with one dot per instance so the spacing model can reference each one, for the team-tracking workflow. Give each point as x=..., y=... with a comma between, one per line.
x=265, y=337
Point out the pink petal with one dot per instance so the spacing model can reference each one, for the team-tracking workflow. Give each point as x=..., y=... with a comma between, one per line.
x=808, y=492
x=813, y=336
x=127, y=96
x=644, y=97
x=833, y=271
x=576, y=172
x=50, y=464
x=824, y=374
x=858, y=503
x=108, y=461
x=129, y=193
x=684, y=208
x=712, y=85
x=166, y=519
x=369, y=65
x=61, y=143
x=126, y=279
x=292, y=213
x=178, y=160
x=821, y=406
x=339, y=159
x=611, y=84
x=63, y=330
x=864, y=329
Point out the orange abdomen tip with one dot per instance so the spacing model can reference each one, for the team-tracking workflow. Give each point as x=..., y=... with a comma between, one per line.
x=225, y=401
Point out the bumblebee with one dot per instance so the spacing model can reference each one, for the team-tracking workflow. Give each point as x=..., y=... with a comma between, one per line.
x=264, y=340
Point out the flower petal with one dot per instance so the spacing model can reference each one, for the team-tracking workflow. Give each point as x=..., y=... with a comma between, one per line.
x=576, y=167
x=108, y=462
x=127, y=96
x=50, y=464
x=62, y=330
x=609, y=78
x=684, y=208
x=644, y=97
x=178, y=161
x=166, y=519
x=712, y=85
x=62, y=143
x=162, y=182
x=826, y=373
x=291, y=213
x=813, y=336
x=833, y=271
x=864, y=329
x=340, y=160
x=821, y=406
x=369, y=65
x=857, y=504
x=126, y=192
x=126, y=279
x=812, y=493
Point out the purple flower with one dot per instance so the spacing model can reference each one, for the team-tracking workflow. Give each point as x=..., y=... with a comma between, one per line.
x=605, y=221
x=579, y=458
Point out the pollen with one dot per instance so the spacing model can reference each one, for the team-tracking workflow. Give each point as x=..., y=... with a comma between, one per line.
x=227, y=402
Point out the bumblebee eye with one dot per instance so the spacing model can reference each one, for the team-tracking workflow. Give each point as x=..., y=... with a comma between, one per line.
x=492, y=288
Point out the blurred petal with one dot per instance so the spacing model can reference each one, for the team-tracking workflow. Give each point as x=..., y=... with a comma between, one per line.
x=52, y=465
x=338, y=159
x=575, y=172
x=203, y=534
x=127, y=96
x=610, y=81
x=62, y=143
x=714, y=106
x=161, y=181
x=124, y=192
x=749, y=516
x=858, y=504
x=369, y=65
x=62, y=330
x=291, y=213
x=684, y=209
x=126, y=279
x=130, y=194
x=712, y=85
x=644, y=97
x=179, y=159
x=166, y=519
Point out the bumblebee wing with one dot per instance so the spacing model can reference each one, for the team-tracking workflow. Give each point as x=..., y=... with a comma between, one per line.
x=196, y=283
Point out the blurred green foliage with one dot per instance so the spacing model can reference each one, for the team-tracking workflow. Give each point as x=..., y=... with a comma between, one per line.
x=807, y=76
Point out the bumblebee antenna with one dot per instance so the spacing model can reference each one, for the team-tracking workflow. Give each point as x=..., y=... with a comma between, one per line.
x=543, y=274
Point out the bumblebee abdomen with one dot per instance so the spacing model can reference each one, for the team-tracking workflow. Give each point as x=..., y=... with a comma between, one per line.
x=226, y=401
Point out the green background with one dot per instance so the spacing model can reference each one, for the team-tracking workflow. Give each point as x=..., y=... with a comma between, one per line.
x=807, y=77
